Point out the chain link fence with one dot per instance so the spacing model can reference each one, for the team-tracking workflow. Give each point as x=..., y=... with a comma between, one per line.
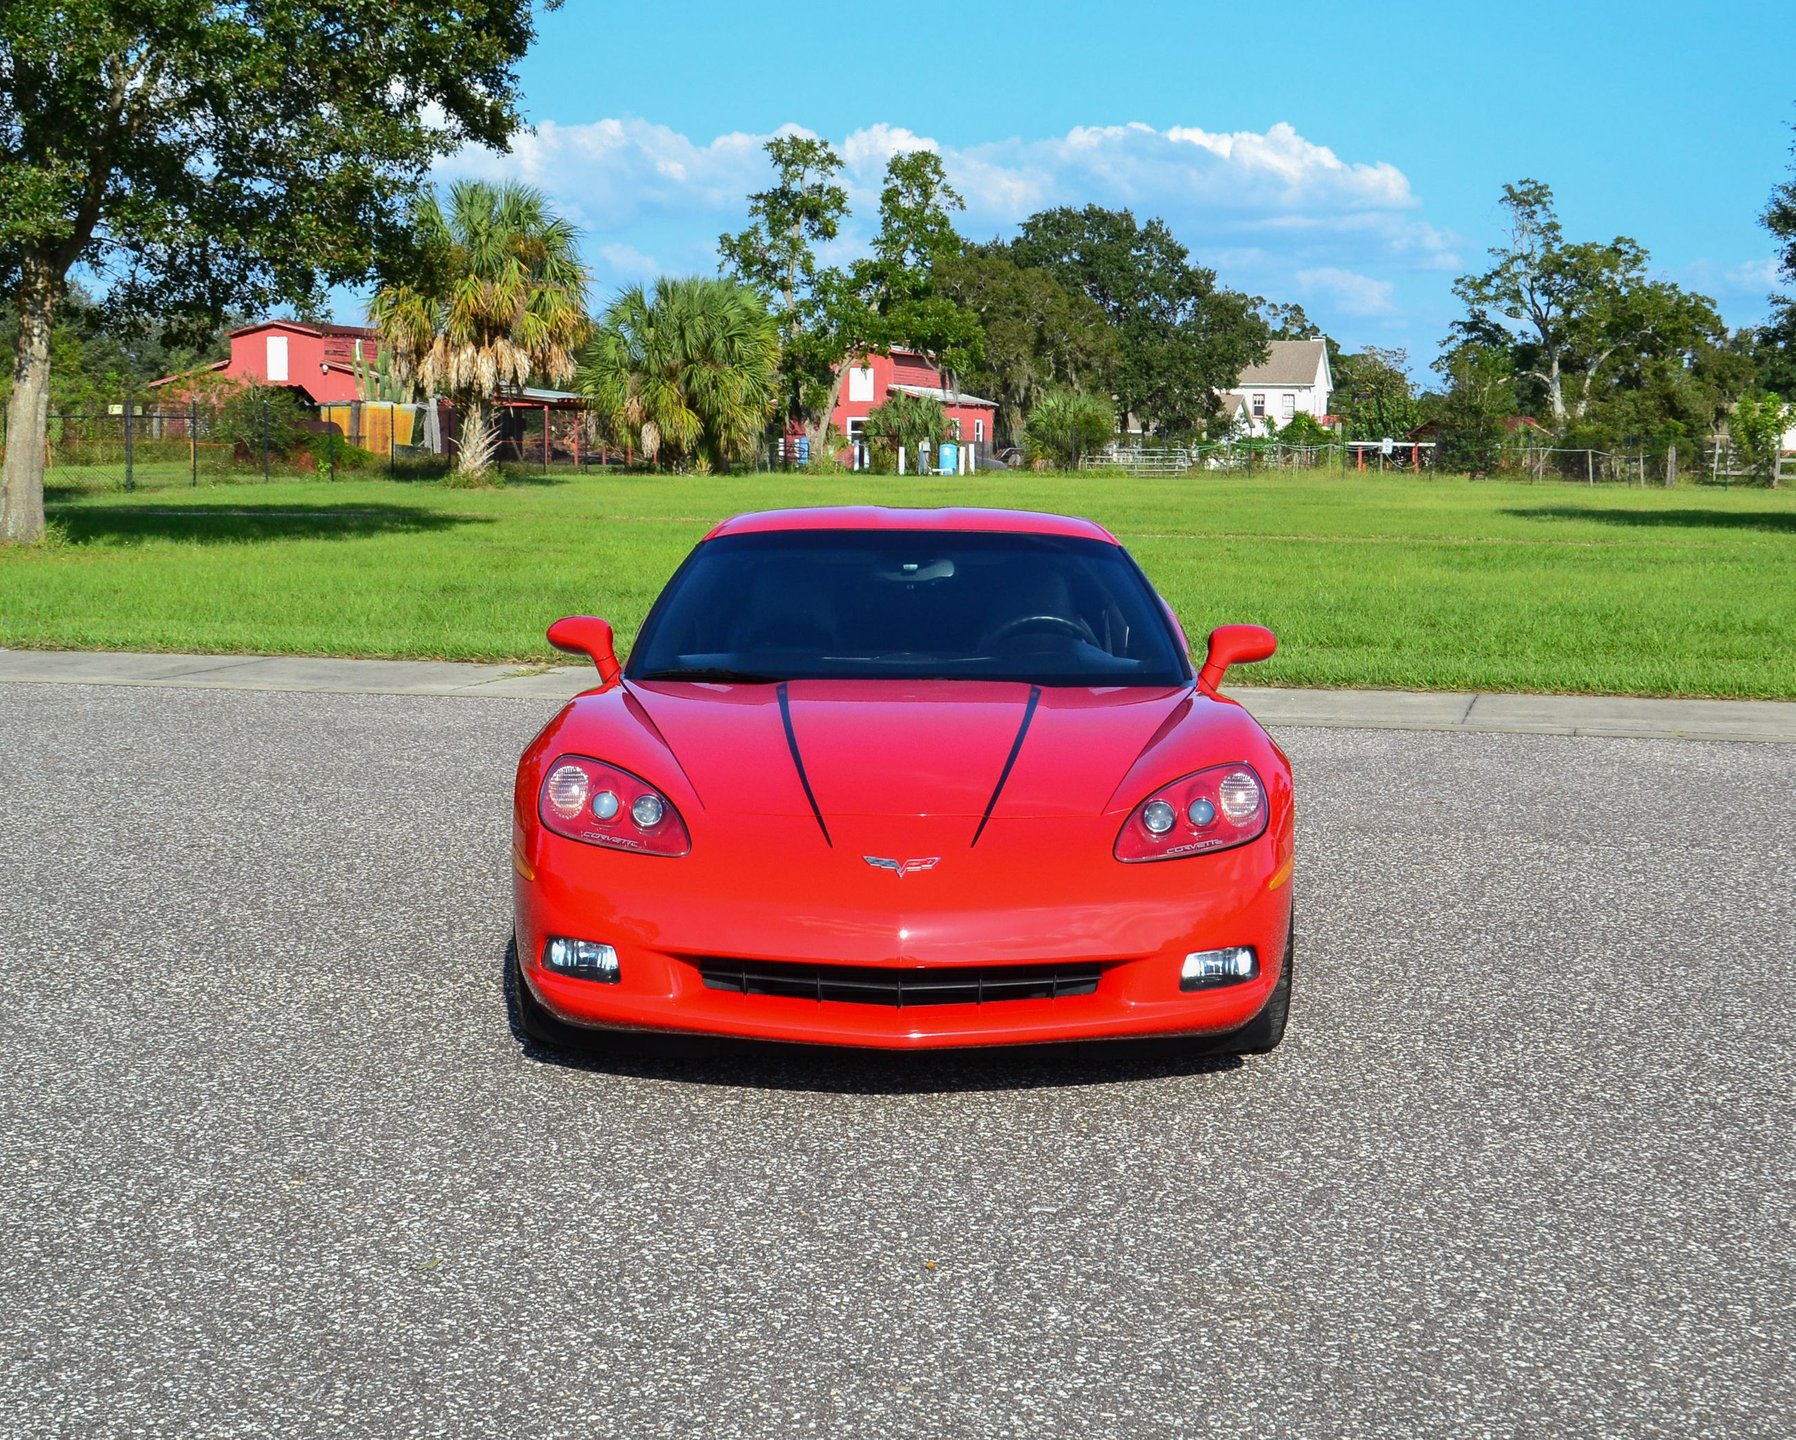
x=135, y=447
x=249, y=439
x=1668, y=465
x=1249, y=457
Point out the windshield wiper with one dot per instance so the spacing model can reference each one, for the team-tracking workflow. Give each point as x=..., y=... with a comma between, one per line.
x=713, y=674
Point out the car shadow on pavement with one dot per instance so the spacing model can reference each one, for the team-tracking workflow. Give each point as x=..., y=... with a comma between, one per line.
x=767, y=1065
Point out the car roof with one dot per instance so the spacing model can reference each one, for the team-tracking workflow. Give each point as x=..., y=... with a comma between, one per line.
x=886, y=517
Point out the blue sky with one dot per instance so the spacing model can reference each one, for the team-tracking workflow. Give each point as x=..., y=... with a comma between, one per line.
x=1348, y=156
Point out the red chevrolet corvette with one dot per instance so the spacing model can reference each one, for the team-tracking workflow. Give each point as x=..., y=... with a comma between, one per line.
x=906, y=778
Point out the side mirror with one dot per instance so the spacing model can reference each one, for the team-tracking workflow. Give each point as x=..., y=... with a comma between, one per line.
x=588, y=635
x=1235, y=645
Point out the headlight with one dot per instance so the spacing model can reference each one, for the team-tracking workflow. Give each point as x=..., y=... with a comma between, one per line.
x=599, y=804
x=1215, y=809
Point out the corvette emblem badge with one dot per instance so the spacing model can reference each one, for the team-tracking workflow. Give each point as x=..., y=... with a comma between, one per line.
x=901, y=868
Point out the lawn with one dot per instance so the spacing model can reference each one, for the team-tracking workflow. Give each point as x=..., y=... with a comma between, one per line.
x=1370, y=581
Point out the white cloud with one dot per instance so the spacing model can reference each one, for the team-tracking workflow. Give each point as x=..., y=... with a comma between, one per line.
x=1352, y=294
x=1755, y=275
x=865, y=152
x=626, y=263
x=609, y=174
x=1266, y=209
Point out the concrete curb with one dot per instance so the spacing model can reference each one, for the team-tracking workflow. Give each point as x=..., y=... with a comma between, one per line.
x=1764, y=721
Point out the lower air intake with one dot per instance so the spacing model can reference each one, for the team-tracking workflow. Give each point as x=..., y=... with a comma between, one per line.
x=876, y=985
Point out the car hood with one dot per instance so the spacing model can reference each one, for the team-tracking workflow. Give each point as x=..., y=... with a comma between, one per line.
x=892, y=748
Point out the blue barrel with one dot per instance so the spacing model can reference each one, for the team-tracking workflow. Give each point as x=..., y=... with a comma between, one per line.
x=948, y=458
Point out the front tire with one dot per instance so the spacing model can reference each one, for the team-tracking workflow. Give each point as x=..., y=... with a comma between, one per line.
x=1260, y=1035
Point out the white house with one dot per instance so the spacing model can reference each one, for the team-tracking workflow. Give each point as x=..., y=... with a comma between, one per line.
x=1293, y=380
x=1232, y=415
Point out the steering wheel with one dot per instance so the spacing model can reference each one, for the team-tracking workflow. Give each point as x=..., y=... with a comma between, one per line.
x=1078, y=629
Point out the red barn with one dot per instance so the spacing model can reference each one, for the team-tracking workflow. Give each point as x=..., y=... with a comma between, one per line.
x=316, y=360
x=872, y=379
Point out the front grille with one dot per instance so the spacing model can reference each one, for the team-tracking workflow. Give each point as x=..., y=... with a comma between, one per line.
x=876, y=985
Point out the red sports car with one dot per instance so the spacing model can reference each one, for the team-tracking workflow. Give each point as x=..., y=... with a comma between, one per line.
x=906, y=778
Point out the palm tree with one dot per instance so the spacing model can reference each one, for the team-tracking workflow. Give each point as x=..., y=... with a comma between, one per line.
x=1065, y=426
x=501, y=299
x=902, y=423
x=687, y=372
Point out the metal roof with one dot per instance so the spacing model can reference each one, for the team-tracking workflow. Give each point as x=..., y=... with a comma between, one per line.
x=947, y=397
x=531, y=395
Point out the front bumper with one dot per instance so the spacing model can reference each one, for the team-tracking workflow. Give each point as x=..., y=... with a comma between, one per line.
x=1036, y=892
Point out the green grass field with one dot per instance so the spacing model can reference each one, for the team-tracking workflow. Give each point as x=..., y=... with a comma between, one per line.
x=1369, y=581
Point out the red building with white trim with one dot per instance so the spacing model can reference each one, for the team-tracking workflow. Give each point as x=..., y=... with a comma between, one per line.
x=872, y=379
x=317, y=360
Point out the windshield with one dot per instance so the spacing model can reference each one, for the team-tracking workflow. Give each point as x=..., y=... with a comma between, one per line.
x=909, y=604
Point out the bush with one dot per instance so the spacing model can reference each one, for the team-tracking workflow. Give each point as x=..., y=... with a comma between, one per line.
x=253, y=416
x=1066, y=426
x=1303, y=429
x=1756, y=429
x=330, y=453
x=904, y=422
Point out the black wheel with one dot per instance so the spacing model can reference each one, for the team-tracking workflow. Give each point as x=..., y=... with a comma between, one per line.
x=533, y=1020
x=1262, y=1033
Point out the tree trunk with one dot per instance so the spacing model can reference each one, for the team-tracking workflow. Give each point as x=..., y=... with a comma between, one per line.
x=818, y=433
x=1556, y=394
x=28, y=409
x=477, y=437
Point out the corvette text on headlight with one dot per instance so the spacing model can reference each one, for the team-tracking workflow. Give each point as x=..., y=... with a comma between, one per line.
x=599, y=804
x=1214, y=809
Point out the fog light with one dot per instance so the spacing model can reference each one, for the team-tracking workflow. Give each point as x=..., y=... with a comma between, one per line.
x=585, y=958
x=1204, y=969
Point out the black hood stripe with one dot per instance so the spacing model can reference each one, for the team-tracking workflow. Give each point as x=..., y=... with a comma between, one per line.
x=1015, y=749
x=798, y=763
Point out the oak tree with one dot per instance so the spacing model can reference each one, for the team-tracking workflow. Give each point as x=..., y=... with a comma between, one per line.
x=1570, y=312
x=1039, y=335
x=191, y=156
x=776, y=255
x=1182, y=339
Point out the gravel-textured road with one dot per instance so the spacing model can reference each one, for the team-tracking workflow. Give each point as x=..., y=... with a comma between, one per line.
x=273, y=1163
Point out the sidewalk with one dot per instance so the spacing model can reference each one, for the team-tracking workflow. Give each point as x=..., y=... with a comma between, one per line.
x=1749, y=720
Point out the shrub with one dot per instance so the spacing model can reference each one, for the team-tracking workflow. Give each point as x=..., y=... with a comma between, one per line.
x=1303, y=429
x=1066, y=426
x=904, y=421
x=252, y=416
x=1756, y=428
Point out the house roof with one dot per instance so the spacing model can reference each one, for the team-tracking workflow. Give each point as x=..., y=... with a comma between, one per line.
x=1292, y=362
x=947, y=397
x=360, y=331
x=189, y=374
x=533, y=396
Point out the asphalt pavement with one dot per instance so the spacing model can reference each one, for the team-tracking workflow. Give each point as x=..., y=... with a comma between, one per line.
x=273, y=1161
